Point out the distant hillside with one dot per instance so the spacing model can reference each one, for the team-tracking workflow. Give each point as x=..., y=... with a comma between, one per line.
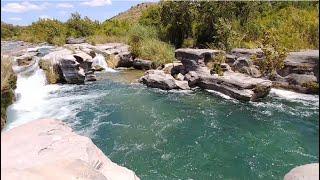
x=133, y=14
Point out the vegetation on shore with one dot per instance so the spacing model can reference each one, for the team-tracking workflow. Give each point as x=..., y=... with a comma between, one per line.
x=163, y=26
x=8, y=84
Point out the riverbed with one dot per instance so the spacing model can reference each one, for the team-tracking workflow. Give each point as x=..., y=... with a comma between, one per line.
x=178, y=134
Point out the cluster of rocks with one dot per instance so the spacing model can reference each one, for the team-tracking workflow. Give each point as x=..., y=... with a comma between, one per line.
x=77, y=61
x=48, y=149
x=300, y=72
x=192, y=71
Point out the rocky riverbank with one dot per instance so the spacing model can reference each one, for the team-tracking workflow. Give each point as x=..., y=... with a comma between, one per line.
x=77, y=62
x=36, y=149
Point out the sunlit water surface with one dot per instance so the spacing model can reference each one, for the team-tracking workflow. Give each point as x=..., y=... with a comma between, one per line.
x=178, y=134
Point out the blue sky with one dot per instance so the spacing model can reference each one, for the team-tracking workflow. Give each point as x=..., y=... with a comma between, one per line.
x=24, y=12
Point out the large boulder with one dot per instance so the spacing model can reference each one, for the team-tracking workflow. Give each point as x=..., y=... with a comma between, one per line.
x=304, y=172
x=245, y=65
x=302, y=83
x=237, y=85
x=72, y=40
x=300, y=72
x=111, y=48
x=159, y=79
x=246, y=53
x=300, y=79
x=193, y=78
x=194, y=59
x=173, y=68
x=142, y=64
x=25, y=60
x=304, y=62
x=124, y=59
x=48, y=149
x=71, y=70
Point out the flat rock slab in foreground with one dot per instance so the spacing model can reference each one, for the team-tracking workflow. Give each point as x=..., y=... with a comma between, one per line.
x=48, y=149
x=304, y=172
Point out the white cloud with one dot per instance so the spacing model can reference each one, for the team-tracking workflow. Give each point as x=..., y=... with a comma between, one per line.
x=23, y=7
x=15, y=19
x=96, y=3
x=45, y=17
x=64, y=5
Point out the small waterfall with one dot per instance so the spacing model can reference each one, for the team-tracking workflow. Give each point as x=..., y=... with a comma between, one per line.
x=31, y=93
x=101, y=61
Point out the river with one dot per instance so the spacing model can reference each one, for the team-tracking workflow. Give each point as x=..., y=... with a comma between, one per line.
x=178, y=134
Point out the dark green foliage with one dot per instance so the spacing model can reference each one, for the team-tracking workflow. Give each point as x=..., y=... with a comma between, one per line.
x=230, y=24
x=9, y=30
x=81, y=27
x=274, y=56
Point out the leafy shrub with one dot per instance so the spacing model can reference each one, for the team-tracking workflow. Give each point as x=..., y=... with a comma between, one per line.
x=274, y=56
x=144, y=44
x=44, y=30
x=215, y=65
x=81, y=27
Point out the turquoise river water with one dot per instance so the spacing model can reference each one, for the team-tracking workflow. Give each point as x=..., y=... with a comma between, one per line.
x=179, y=134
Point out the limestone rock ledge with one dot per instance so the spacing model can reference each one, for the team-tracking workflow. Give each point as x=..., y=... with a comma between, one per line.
x=304, y=172
x=48, y=149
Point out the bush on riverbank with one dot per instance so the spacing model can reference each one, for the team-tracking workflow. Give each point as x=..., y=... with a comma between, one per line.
x=204, y=24
x=227, y=25
x=8, y=84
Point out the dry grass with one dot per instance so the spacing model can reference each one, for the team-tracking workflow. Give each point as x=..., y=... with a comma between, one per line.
x=102, y=38
x=7, y=74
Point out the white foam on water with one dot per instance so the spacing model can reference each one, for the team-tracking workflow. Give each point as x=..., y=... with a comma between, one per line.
x=219, y=94
x=306, y=99
x=101, y=61
x=31, y=94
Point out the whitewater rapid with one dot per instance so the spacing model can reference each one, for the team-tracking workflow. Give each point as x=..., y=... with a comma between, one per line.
x=36, y=99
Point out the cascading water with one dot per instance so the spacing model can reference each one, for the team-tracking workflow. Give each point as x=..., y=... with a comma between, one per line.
x=99, y=60
x=170, y=135
x=30, y=92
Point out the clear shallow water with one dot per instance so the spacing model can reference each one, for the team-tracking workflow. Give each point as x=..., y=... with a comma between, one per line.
x=186, y=135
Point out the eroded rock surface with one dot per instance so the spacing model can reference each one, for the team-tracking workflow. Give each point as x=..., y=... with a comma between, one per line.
x=159, y=79
x=48, y=149
x=304, y=172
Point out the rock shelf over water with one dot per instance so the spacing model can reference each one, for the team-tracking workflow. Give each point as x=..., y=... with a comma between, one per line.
x=48, y=149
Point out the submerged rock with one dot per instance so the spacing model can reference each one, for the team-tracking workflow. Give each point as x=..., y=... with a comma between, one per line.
x=304, y=172
x=159, y=79
x=48, y=149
